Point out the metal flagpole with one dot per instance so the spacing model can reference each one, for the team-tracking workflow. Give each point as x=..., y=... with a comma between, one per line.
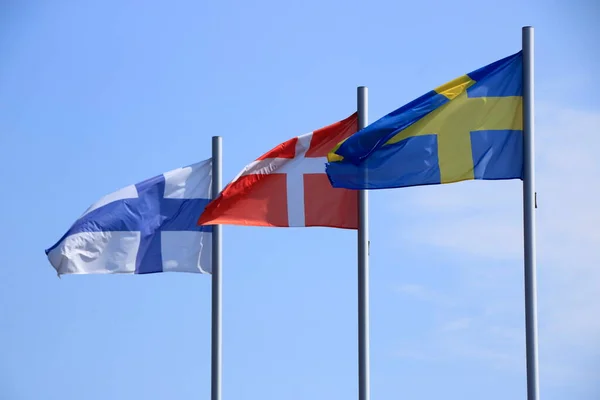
x=216, y=351
x=363, y=265
x=529, y=218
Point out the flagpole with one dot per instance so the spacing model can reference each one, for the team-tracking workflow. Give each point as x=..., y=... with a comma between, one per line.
x=363, y=265
x=529, y=217
x=216, y=350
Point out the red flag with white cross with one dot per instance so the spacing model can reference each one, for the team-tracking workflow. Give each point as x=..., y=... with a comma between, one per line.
x=288, y=186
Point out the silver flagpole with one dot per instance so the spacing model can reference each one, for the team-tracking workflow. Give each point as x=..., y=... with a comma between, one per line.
x=529, y=218
x=216, y=350
x=363, y=265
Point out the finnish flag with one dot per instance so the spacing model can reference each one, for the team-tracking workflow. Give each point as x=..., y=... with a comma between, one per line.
x=144, y=228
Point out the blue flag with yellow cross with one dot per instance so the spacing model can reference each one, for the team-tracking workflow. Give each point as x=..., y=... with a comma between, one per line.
x=469, y=128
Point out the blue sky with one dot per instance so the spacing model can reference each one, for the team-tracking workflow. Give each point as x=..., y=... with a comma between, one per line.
x=97, y=95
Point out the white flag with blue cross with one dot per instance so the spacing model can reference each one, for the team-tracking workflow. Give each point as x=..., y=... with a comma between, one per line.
x=144, y=228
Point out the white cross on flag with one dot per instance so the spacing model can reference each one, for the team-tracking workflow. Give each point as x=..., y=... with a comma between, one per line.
x=288, y=186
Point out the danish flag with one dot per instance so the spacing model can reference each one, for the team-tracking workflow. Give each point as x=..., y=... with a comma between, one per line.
x=288, y=186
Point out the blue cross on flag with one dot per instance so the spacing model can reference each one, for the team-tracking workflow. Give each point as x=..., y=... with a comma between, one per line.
x=141, y=229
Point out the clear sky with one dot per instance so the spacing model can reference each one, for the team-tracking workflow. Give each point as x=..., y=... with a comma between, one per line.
x=97, y=95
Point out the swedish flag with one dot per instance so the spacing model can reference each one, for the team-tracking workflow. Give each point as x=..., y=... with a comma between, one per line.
x=469, y=128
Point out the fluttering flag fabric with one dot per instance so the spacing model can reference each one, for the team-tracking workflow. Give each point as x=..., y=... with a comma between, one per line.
x=144, y=228
x=469, y=128
x=287, y=186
